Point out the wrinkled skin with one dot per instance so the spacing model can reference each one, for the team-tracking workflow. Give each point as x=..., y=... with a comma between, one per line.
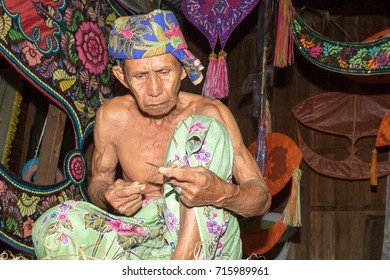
x=137, y=128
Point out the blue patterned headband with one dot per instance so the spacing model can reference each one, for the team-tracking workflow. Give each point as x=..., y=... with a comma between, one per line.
x=155, y=33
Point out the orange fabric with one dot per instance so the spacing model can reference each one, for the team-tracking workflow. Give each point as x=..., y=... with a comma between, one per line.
x=261, y=241
x=283, y=157
x=383, y=137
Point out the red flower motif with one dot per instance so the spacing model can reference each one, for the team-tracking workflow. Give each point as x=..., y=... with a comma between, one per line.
x=77, y=168
x=91, y=47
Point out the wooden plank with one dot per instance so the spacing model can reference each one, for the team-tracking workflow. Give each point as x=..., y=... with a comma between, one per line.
x=30, y=119
x=51, y=146
x=322, y=235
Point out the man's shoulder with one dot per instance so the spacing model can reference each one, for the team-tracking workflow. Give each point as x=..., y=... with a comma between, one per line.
x=206, y=106
x=117, y=107
x=197, y=99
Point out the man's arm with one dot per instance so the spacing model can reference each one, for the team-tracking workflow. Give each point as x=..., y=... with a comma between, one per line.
x=104, y=160
x=124, y=197
x=201, y=186
x=251, y=197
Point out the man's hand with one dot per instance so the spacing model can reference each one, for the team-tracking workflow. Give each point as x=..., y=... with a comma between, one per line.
x=200, y=186
x=125, y=197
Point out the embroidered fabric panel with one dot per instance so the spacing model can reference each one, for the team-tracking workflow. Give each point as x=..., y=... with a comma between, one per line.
x=358, y=58
x=60, y=47
x=217, y=19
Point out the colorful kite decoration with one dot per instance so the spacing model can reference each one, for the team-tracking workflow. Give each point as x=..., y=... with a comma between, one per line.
x=217, y=19
x=60, y=47
x=282, y=165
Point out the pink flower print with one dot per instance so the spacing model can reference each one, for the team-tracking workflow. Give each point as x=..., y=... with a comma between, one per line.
x=171, y=221
x=203, y=155
x=197, y=127
x=215, y=215
x=177, y=37
x=62, y=217
x=146, y=202
x=32, y=54
x=213, y=227
x=382, y=59
x=219, y=245
x=123, y=228
x=315, y=51
x=27, y=227
x=127, y=32
x=91, y=47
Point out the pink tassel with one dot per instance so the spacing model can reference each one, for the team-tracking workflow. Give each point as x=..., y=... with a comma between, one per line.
x=222, y=83
x=284, y=46
x=209, y=83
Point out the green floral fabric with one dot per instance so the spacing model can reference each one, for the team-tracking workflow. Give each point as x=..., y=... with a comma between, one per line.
x=80, y=230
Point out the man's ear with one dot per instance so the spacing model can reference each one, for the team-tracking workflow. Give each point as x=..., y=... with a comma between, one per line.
x=118, y=73
x=183, y=73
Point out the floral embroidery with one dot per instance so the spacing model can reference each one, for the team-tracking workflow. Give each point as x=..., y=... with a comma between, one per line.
x=77, y=168
x=360, y=58
x=27, y=227
x=91, y=47
x=28, y=204
x=32, y=54
x=47, y=203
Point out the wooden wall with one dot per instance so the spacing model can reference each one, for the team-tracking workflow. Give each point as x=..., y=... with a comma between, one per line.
x=341, y=219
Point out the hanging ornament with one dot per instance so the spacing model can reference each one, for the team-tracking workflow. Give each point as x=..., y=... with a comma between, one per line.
x=217, y=19
x=284, y=46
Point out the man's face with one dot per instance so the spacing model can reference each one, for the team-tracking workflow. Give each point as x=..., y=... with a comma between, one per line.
x=154, y=81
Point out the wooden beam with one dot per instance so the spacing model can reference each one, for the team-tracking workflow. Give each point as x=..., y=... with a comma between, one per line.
x=30, y=118
x=51, y=146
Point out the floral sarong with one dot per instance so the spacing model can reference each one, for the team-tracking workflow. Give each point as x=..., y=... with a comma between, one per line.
x=80, y=230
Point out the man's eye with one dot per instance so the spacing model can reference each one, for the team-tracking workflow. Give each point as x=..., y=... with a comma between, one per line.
x=139, y=76
x=164, y=72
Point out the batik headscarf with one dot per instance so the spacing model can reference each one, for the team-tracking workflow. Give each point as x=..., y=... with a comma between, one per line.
x=155, y=33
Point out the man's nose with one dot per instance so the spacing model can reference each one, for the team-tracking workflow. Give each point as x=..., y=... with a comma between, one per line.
x=155, y=87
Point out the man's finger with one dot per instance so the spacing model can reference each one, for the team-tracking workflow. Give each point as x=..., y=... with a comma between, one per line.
x=183, y=174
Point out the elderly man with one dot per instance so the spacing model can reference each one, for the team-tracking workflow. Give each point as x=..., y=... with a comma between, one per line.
x=178, y=152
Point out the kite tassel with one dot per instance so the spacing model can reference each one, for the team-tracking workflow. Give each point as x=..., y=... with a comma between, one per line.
x=222, y=81
x=373, y=171
x=209, y=83
x=284, y=46
x=292, y=212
